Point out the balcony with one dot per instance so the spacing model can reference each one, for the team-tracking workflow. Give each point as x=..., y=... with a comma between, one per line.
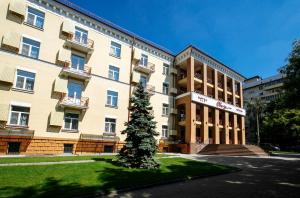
x=220, y=85
x=181, y=91
x=74, y=103
x=173, y=71
x=210, y=81
x=82, y=74
x=80, y=44
x=173, y=91
x=221, y=122
x=210, y=120
x=182, y=79
x=181, y=119
x=149, y=68
x=229, y=88
x=150, y=89
x=198, y=91
x=198, y=77
x=198, y=119
x=173, y=111
x=173, y=132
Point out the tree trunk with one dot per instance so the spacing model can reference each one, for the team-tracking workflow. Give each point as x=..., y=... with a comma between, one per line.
x=257, y=126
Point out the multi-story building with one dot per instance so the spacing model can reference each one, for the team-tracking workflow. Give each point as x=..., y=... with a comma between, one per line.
x=66, y=77
x=265, y=90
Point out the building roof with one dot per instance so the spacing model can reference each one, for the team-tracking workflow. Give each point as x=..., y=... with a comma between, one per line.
x=129, y=33
x=262, y=81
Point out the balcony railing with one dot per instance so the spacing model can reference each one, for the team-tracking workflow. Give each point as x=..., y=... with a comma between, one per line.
x=198, y=75
x=210, y=80
x=230, y=123
x=221, y=122
x=79, y=43
x=229, y=88
x=148, y=68
x=181, y=91
x=84, y=73
x=76, y=103
x=198, y=91
x=221, y=99
x=220, y=85
x=210, y=120
x=198, y=118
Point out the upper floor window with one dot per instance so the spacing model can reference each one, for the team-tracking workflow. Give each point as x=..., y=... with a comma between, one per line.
x=19, y=115
x=81, y=36
x=110, y=125
x=143, y=80
x=78, y=62
x=71, y=121
x=113, y=73
x=144, y=60
x=115, y=49
x=164, y=131
x=165, y=69
x=112, y=98
x=165, y=88
x=35, y=18
x=165, y=109
x=30, y=47
x=25, y=80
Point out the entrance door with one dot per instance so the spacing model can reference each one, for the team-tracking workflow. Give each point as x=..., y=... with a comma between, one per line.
x=74, y=92
x=13, y=148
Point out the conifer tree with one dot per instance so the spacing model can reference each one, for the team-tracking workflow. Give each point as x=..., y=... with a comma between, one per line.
x=140, y=144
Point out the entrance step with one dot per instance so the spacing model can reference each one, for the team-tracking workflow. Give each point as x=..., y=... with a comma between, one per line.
x=232, y=150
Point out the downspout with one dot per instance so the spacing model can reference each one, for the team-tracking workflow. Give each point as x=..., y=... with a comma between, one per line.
x=130, y=77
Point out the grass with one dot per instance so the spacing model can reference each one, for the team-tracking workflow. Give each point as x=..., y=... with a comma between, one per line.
x=102, y=176
x=55, y=158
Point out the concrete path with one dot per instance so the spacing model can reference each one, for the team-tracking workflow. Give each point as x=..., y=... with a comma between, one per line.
x=47, y=163
x=260, y=177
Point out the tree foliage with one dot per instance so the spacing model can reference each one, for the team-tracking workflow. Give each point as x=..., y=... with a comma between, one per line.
x=140, y=144
x=281, y=124
x=283, y=127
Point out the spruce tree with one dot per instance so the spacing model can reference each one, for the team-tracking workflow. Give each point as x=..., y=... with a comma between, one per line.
x=140, y=144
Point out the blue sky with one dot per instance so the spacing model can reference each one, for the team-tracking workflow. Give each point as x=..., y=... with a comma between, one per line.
x=253, y=37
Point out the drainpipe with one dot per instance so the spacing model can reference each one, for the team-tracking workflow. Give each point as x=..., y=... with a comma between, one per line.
x=130, y=76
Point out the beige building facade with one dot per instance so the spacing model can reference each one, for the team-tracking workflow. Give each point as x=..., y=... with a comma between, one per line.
x=66, y=77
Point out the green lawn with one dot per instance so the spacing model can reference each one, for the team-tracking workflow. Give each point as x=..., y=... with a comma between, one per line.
x=72, y=180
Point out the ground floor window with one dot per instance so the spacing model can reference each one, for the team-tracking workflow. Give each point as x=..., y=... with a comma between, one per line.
x=108, y=149
x=71, y=121
x=19, y=115
x=68, y=148
x=13, y=148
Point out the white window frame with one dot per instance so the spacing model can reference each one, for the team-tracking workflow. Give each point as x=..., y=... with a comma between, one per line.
x=164, y=131
x=19, y=114
x=25, y=78
x=144, y=60
x=113, y=73
x=165, y=109
x=35, y=17
x=166, y=69
x=82, y=32
x=166, y=90
x=71, y=123
x=110, y=125
x=111, y=98
x=113, y=49
x=30, y=46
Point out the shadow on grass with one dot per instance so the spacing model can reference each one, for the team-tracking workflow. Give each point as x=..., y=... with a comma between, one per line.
x=115, y=177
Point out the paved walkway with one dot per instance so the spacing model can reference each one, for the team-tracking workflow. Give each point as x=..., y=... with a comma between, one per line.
x=260, y=177
x=47, y=163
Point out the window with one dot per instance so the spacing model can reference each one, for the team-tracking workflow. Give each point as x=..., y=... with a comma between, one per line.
x=110, y=125
x=30, y=47
x=144, y=60
x=165, y=69
x=164, y=131
x=71, y=121
x=143, y=80
x=35, y=18
x=75, y=92
x=81, y=36
x=112, y=98
x=19, y=115
x=115, y=49
x=78, y=62
x=165, y=88
x=113, y=73
x=25, y=80
x=165, y=109
x=68, y=148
